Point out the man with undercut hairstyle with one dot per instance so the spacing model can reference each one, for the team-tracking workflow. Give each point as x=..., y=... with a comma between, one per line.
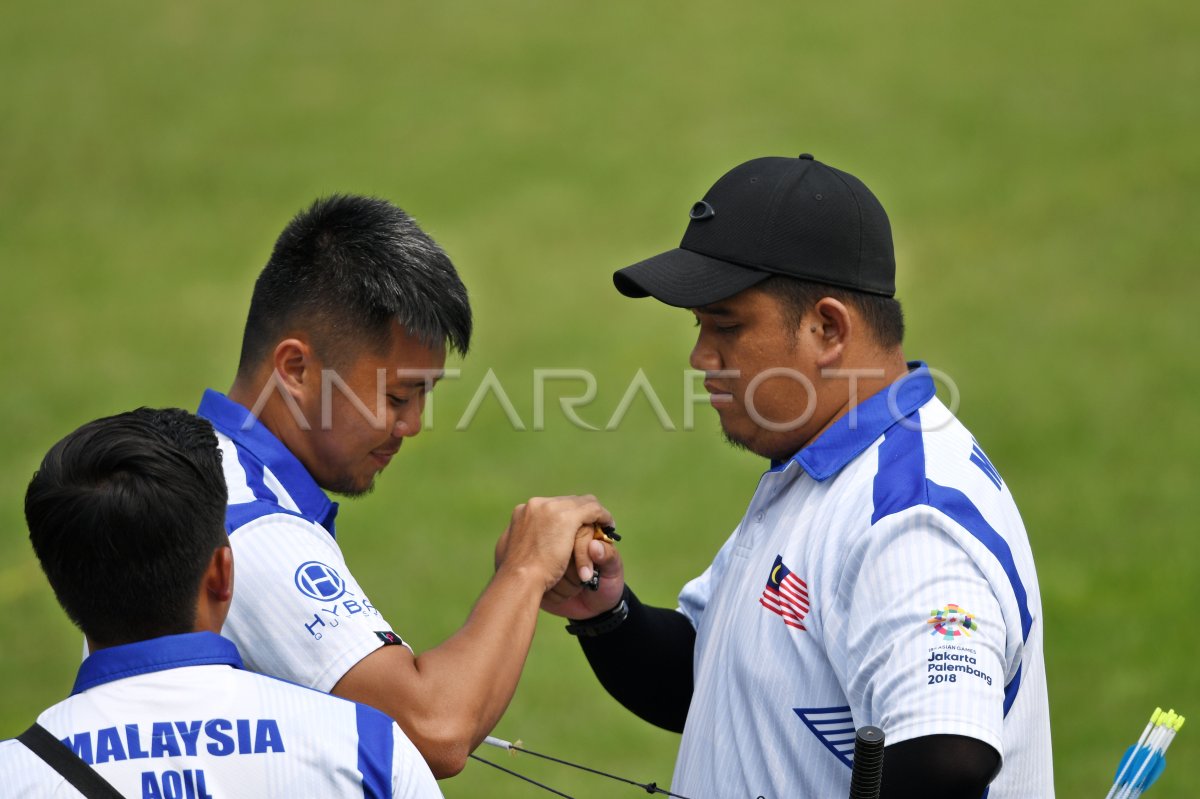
x=881, y=574
x=127, y=517
x=347, y=332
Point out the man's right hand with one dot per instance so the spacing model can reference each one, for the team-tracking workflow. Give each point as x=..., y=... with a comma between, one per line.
x=546, y=535
x=570, y=599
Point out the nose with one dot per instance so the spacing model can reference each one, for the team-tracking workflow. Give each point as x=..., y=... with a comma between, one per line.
x=408, y=420
x=704, y=357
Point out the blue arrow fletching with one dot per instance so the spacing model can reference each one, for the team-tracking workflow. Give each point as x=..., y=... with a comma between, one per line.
x=1158, y=762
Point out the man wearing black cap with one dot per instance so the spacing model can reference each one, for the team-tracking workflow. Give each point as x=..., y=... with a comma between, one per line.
x=881, y=574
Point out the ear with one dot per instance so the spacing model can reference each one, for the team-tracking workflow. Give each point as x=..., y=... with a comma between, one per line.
x=295, y=366
x=216, y=591
x=834, y=328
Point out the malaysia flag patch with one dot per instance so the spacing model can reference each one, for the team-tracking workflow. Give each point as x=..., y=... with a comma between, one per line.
x=785, y=595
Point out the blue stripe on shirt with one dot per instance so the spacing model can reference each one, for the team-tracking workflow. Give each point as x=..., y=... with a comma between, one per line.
x=259, y=449
x=374, y=752
x=238, y=516
x=254, y=475
x=901, y=484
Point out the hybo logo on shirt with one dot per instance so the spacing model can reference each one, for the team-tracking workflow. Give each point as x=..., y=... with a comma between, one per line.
x=951, y=622
x=321, y=582
x=318, y=581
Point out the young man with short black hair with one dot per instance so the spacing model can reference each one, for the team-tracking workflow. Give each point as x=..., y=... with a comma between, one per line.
x=126, y=516
x=347, y=333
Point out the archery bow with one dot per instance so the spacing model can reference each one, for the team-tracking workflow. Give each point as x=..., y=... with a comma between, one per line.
x=500, y=743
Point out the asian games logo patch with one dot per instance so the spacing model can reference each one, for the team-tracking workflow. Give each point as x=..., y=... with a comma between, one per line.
x=951, y=622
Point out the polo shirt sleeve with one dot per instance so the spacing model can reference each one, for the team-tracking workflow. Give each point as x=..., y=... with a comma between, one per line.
x=297, y=611
x=693, y=599
x=411, y=777
x=388, y=761
x=924, y=640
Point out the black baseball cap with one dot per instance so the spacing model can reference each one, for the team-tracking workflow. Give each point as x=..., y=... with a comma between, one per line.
x=772, y=216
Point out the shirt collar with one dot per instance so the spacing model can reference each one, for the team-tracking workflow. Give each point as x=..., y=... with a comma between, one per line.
x=156, y=654
x=251, y=435
x=850, y=436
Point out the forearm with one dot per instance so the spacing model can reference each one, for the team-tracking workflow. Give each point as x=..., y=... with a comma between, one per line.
x=646, y=663
x=449, y=697
x=473, y=674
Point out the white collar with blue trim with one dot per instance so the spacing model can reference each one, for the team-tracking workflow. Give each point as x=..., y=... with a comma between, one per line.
x=252, y=436
x=156, y=654
x=844, y=441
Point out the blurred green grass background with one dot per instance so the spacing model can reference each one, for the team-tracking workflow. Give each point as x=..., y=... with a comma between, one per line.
x=1037, y=160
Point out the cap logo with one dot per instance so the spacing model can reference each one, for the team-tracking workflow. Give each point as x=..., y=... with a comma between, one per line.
x=702, y=210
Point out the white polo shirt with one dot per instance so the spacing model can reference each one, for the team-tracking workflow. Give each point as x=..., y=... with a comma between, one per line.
x=297, y=613
x=178, y=717
x=881, y=576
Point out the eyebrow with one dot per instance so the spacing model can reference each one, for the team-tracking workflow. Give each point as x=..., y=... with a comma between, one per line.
x=716, y=309
x=417, y=382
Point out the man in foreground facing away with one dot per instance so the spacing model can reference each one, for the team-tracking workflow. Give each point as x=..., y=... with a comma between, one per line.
x=127, y=517
x=881, y=574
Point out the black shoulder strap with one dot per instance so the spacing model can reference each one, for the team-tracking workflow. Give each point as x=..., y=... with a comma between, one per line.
x=60, y=758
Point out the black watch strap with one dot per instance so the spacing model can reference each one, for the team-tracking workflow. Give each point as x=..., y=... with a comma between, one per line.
x=606, y=622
